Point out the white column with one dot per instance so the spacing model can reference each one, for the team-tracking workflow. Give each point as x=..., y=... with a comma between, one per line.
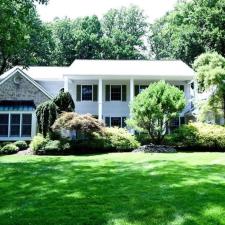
x=131, y=91
x=66, y=84
x=131, y=98
x=100, y=99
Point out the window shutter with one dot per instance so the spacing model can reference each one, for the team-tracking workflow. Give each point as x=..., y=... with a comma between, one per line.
x=123, y=121
x=107, y=92
x=95, y=93
x=124, y=93
x=107, y=121
x=78, y=93
x=136, y=90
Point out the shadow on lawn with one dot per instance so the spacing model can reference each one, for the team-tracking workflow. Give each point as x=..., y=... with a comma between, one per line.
x=55, y=191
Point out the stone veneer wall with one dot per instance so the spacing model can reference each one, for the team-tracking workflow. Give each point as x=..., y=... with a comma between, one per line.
x=24, y=90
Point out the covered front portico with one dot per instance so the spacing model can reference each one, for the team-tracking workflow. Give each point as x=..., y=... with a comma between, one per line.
x=104, y=101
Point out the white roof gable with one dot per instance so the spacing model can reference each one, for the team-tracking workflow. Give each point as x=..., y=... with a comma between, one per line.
x=130, y=68
x=40, y=73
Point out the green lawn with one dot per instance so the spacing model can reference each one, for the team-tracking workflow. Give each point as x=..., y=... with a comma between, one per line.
x=113, y=189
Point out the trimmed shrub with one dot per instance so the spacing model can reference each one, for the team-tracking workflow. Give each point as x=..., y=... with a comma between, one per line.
x=38, y=143
x=118, y=139
x=112, y=139
x=52, y=146
x=22, y=145
x=9, y=149
x=200, y=135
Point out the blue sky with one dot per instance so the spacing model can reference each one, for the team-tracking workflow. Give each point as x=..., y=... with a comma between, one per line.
x=76, y=8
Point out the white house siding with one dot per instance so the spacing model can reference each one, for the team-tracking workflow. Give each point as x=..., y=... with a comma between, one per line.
x=115, y=108
x=53, y=87
x=83, y=107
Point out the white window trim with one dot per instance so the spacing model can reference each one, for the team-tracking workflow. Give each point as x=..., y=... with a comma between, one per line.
x=92, y=94
x=121, y=93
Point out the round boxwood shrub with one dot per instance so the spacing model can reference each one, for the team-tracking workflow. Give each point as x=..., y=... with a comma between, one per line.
x=9, y=149
x=22, y=145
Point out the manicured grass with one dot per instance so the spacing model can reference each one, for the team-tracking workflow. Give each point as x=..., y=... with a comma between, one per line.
x=113, y=189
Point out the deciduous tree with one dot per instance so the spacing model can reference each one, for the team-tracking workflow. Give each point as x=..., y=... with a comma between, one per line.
x=155, y=107
x=210, y=68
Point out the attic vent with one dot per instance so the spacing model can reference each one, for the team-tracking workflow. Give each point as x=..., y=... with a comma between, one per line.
x=17, y=79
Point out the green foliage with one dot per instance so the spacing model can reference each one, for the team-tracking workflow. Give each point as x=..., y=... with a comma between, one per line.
x=9, y=149
x=52, y=146
x=124, y=32
x=200, y=135
x=64, y=102
x=119, y=35
x=153, y=108
x=119, y=139
x=23, y=38
x=113, y=189
x=184, y=34
x=76, y=39
x=85, y=124
x=22, y=145
x=46, y=116
x=112, y=139
x=38, y=143
x=210, y=68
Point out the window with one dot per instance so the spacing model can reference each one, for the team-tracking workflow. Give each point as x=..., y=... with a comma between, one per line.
x=4, y=123
x=87, y=92
x=115, y=121
x=15, y=125
x=26, y=125
x=116, y=93
x=140, y=88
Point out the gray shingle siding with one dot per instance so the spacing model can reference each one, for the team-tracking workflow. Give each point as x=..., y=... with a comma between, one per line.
x=23, y=90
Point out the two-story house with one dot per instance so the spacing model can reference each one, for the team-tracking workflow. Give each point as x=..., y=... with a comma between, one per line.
x=102, y=88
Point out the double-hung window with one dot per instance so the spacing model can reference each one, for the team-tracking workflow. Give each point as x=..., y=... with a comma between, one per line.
x=116, y=93
x=87, y=92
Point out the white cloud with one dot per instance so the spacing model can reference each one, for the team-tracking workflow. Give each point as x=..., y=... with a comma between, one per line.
x=78, y=8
